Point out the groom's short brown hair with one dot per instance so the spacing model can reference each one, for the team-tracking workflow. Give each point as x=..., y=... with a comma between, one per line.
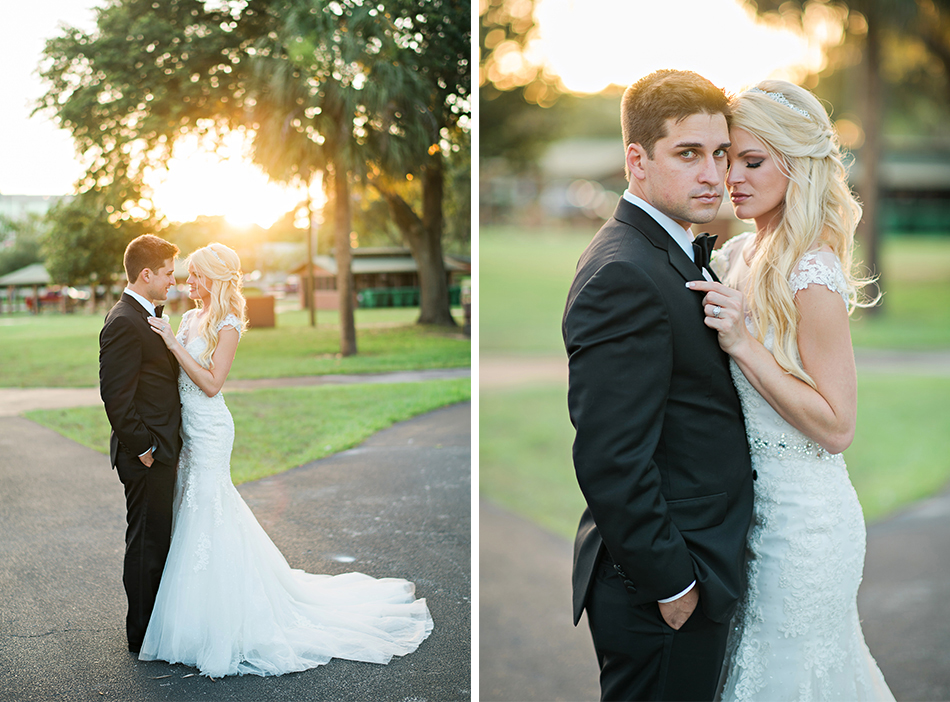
x=663, y=95
x=146, y=251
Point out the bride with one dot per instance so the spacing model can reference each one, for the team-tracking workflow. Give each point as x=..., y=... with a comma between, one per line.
x=228, y=602
x=783, y=319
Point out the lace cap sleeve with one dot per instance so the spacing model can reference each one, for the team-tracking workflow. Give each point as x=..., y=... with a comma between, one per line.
x=820, y=268
x=230, y=321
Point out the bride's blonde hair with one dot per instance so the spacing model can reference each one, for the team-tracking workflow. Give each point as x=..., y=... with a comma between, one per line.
x=819, y=208
x=220, y=268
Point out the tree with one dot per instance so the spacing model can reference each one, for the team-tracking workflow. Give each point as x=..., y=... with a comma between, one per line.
x=436, y=37
x=20, y=241
x=386, y=98
x=317, y=85
x=126, y=93
x=349, y=105
x=458, y=202
x=867, y=24
x=86, y=240
x=514, y=94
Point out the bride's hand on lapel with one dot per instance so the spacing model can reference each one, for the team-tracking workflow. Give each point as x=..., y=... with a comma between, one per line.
x=725, y=312
x=164, y=330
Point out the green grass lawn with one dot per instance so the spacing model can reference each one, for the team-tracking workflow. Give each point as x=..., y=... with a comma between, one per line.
x=524, y=277
x=55, y=350
x=279, y=429
x=903, y=437
x=901, y=451
x=523, y=281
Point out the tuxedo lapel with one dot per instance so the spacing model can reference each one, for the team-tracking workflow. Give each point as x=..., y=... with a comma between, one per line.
x=135, y=305
x=628, y=213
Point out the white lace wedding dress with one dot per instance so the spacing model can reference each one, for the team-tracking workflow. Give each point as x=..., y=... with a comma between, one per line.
x=228, y=602
x=796, y=634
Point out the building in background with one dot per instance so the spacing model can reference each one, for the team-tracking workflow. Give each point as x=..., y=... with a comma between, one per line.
x=384, y=276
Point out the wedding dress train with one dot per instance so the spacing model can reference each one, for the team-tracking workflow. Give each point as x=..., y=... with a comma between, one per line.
x=229, y=603
x=797, y=634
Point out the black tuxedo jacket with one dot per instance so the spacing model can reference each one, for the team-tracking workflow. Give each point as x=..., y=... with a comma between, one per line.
x=660, y=452
x=138, y=383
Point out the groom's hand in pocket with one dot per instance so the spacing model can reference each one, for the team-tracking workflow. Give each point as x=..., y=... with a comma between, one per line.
x=147, y=459
x=676, y=613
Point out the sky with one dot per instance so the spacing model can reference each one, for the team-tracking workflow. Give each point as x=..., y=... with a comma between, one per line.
x=589, y=43
x=38, y=158
x=623, y=40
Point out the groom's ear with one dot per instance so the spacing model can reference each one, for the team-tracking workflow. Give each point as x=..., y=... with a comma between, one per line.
x=636, y=155
x=144, y=275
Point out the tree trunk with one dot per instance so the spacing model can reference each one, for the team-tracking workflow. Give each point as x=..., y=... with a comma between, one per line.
x=424, y=237
x=344, y=273
x=434, y=306
x=311, y=281
x=869, y=229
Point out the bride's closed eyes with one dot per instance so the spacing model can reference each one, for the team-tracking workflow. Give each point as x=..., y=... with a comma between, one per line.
x=748, y=164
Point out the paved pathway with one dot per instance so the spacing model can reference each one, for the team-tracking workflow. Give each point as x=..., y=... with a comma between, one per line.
x=529, y=650
x=13, y=401
x=499, y=370
x=398, y=505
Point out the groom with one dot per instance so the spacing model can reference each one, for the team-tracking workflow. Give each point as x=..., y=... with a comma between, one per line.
x=660, y=451
x=138, y=383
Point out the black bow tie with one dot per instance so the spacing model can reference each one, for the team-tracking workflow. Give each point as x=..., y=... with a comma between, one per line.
x=702, y=248
x=161, y=308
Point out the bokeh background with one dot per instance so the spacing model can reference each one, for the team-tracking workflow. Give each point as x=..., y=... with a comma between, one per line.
x=551, y=77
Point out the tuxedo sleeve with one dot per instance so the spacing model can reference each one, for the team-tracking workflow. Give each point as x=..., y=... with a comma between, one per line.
x=619, y=343
x=120, y=362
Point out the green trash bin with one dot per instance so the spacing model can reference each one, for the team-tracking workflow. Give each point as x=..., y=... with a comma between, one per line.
x=384, y=297
x=367, y=298
x=455, y=295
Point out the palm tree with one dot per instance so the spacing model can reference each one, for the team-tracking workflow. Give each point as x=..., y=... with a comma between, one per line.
x=330, y=93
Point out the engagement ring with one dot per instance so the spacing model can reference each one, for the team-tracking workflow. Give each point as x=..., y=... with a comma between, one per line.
x=716, y=310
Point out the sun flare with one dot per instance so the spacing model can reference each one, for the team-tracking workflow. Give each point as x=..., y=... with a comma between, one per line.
x=593, y=44
x=200, y=181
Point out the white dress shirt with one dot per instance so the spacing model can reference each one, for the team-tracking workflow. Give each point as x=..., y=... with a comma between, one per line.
x=682, y=237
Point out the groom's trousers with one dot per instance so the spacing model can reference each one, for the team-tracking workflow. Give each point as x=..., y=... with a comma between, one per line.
x=149, y=493
x=640, y=656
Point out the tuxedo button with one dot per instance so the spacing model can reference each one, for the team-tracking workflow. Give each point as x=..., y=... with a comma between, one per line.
x=631, y=588
x=755, y=475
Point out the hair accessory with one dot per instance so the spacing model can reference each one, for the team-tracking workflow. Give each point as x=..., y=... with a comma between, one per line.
x=215, y=254
x=781, y=99
x=235, y=276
